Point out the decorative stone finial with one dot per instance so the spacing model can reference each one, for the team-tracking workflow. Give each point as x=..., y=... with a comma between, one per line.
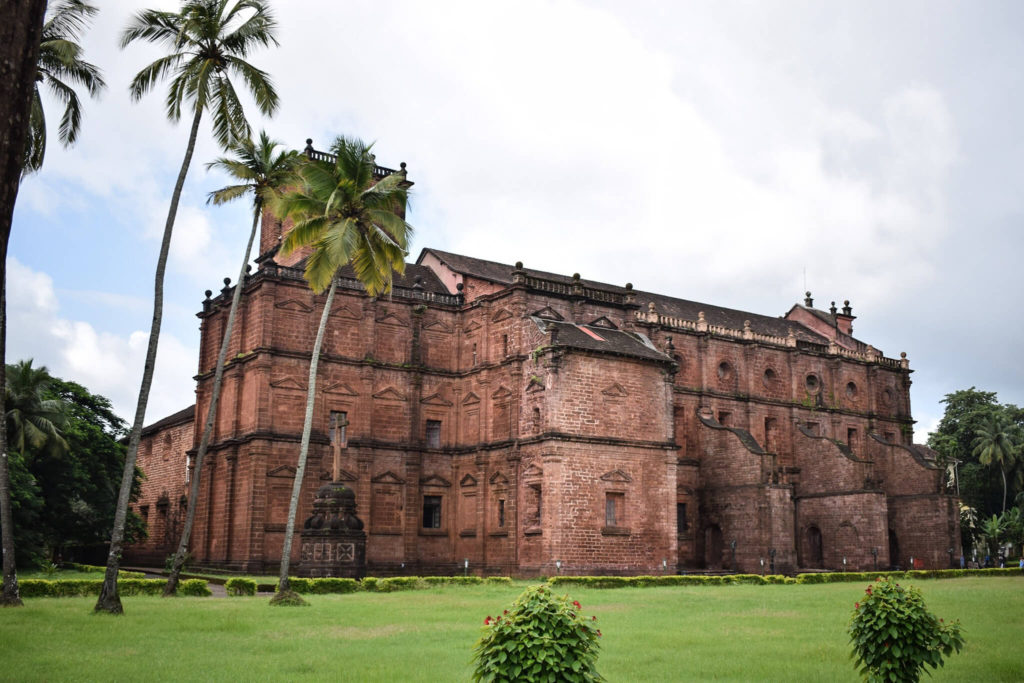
x=847, y=310
x=402, y=167
x=309, y=147
x=832, y=309
x=669, y=345
x=417, y=282
x=629, y=286
x=460, y=287
x=903, y=354
x=651, y=307
x=248, y=268
x=808, y=301
x=575, y=276
x=209, y=293
x=227, y=282
x=519, y=265
x=700, y=316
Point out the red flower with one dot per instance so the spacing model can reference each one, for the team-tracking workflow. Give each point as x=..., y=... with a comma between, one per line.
x=856, y=605
x=505, y=612
x=576, y=604
x=593, y=618
x=487, y=621
x=598, y=633
x=868, y=591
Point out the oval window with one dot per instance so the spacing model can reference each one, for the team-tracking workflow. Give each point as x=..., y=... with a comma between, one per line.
x=851, y=390
x=813, y=384
x=769, y=378
x=724, y=371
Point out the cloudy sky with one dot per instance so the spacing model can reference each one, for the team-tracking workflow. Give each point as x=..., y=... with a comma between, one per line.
x=727, y=152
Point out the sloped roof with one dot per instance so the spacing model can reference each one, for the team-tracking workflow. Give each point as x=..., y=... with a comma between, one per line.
x=183, y=415
x=666, y=305
x=601, y=339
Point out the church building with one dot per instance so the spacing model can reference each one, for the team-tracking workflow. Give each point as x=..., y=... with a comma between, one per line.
x=532, y=423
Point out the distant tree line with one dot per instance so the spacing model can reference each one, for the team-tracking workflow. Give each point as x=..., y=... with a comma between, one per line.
x=66, y=455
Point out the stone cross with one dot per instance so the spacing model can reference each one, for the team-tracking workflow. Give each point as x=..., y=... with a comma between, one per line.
x=340, y=441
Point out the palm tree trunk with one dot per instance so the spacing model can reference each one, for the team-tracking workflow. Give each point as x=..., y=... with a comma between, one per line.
x=109, y=601
x=1002, y=469
x=21, y=27
x=307, y=427
x=218, y=377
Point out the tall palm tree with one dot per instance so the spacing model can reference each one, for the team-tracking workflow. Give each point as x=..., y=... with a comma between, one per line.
x=60, y=68
x=207, y=40
x=33, y=421
x=995, y=441
x=348, y=217
x=262, y=171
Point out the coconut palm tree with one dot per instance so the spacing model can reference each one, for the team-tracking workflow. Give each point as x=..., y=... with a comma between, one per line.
x=207, y=41
x=995, y=441
x=61, y=67
x=262, y=170
x=349, y=217
x=33, y=421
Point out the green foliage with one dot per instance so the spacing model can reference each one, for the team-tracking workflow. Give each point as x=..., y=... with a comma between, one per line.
x=541, y=638
x=894, y=637
x=195, y=588
x=369, y=583
x=333, y=585
x=74, y=588
x=398, y=583
x=63, y=499
x=671, y=580
x=501, y=580
x=60, y=67
x=239, y=586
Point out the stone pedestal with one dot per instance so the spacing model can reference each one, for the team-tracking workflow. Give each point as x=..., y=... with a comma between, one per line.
x=333, y=540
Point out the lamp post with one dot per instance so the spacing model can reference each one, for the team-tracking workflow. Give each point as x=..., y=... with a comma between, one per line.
x=732, y=546
x=664, y=566
x=558, y=566
x=950, y=551
x=762, y=566
x=844, y=563
x=465, y=567
x=771, y=560
x=874, y=554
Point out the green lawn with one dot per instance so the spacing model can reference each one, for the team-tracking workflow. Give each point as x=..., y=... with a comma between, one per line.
x=743, y=633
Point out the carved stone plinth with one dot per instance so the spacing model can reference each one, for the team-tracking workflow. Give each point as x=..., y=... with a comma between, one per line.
x=333, y=540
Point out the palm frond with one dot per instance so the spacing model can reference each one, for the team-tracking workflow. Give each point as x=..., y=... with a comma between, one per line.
x=227, y=194
x=149, y=75
x=154, y=26
x=35, y=143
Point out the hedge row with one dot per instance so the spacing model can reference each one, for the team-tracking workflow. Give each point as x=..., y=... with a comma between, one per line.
x=756, y=579
x=841, y=577
x=370, y=584
x=673, y=580
x=77, y=588
x=90, y=568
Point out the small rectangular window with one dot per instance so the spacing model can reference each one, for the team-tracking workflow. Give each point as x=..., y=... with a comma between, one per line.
x=851, y=437
x=433, y=433
x=431, y=512
x=681, y=524
x=501, y=512
x=613, y=510
x=724, y=418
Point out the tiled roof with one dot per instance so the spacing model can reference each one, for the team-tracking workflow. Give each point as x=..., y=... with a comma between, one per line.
x=601, y=339
x=666, y=305
x=428, y=278
x=184, y=415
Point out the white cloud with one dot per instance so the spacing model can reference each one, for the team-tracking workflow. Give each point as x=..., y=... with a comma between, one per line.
x=104, y=363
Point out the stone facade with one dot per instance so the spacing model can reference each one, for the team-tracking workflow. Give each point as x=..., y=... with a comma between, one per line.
x=523, y=420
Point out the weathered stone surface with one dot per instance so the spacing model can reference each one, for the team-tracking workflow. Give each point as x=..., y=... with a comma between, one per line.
x=478, y=431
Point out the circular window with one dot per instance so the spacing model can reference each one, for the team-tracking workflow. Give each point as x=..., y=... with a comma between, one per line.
x=769, y=378
x=724, y=371
x=851, y=390
x=813, y=383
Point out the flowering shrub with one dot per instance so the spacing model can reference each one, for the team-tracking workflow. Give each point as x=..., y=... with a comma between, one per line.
x=542, y=637
x=894, y=637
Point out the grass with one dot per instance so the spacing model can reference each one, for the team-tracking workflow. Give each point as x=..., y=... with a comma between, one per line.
x=741, y=633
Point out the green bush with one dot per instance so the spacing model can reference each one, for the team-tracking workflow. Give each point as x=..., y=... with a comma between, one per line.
x=239, y=586
x=92, y=568
x=398, y=583
x=894, y=637
x=333, y=585
x=194, y=587
x=369, y=583
x=76, y=588
x=452, y=580
x=503, y=580
x=542, y=637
